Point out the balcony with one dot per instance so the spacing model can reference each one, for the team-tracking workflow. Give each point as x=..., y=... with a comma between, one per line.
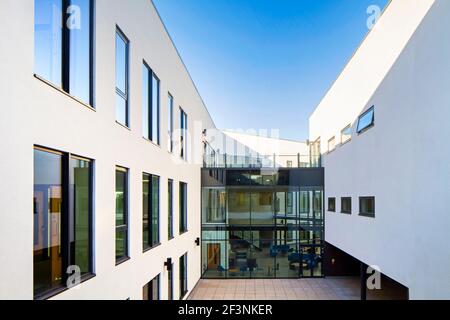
x=228, y=161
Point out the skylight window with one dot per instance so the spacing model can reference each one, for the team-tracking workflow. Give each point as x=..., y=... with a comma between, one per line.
x=366, y=120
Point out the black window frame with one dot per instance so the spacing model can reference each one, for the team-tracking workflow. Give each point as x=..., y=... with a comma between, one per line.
x=68, y=221
x=183, y=210
x=183, y=266
x=170, y=209
x=329, y=207
x=170, y=296
x=150, y=244
x=370, y=125
x=170, y=122
x=148, y=289
x=367, y=214
x=343, y=199
x=65, y=55
x=183, y=134
x=150, y=76
x=124, y=227
x=124, y=95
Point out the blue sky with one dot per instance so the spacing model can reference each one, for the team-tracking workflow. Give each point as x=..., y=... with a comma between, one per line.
x=265, y=64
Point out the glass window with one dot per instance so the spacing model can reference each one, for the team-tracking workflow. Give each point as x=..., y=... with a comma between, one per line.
x=346, y=134
x=121, y=78
x=151, y=290
x=62, y=225
x=48, y=40
x=170, y=123
x=170, y=283
x=367, y=206
x=366, y=120
x=214, y=205
x=346, y=205
x=170, y=209
x=331, y=144
x=150, y=211
x=150, y=105
x=183, y=207
x=121, y=214
x=183, y=276
x=183, y=134
x=332, y=204
x=155, y=109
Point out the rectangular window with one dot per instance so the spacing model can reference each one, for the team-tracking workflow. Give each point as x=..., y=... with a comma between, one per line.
x=63, y=45
x=170, y=282
x=151, y=290
x=346, y=134
x=332, y=204
x=122, y=74
x=331, y=144
x=346, y=205
x=367, y=206
x=183, y=276
x=366, y=120
x=170, y=123
x=183, y=207
x=62, y=212
x=183, y=134
x=150, y=105
x=121, y=215
x=150, y=215
x=170, y=209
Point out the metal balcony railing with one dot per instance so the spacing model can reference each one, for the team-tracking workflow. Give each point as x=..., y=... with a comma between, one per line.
x=261, y=161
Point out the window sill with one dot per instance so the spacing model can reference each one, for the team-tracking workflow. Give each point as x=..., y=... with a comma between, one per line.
x=183, y=232
x=122, y=260
x=348, y=213
x=367, y=215
x=152, y=142
x=123, y=126
x=171, y=238
x=53, y=293
x=64, y=93
x=365, y=129
x=151, y=248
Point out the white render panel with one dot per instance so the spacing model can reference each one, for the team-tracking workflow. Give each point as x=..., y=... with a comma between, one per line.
x=33, y=113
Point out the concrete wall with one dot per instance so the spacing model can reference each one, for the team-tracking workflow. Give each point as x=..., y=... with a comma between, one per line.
x=403, y=69
x=35, y=113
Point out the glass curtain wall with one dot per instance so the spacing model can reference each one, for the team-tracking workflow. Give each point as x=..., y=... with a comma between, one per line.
x=263, y=230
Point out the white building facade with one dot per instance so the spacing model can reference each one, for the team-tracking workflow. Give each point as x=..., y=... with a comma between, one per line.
x=87, y=128
x=383, y=131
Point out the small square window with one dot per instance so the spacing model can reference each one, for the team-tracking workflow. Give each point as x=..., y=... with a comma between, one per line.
x=346, y=134
x=346, y=205
x=331, y=144
x=367, y=206
x=366, y=120
x=332, y=204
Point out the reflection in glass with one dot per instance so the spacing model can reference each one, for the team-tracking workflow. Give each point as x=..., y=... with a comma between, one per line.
x=48, y=40
x=170, y=209
x=121, y=214
x=151, y=290
x=214, y=205
x=238, y=207
x=47, y=221
x=183, y=207
x=121, y=79
x=155, y=109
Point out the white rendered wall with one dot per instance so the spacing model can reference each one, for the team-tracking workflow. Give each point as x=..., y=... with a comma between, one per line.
x=35, y=113
x=403, y=69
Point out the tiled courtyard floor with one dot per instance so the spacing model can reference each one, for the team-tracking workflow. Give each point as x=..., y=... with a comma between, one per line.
x=280, y=289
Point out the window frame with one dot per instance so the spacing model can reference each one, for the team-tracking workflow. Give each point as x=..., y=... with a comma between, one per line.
x=150, y=245
x=329, y=209
x=349, y=128
x=367, y=214
x=149, y=287
x=65, y=55
x=183, y=208
x=170, y=209
x=124, y=227
x=369, y=126
x=183, y=135
x=170, y=123
x=68, y=220
x=342, y=205
x=183, y=275
x=151, y=76
x=334, y=144
x=124, y=95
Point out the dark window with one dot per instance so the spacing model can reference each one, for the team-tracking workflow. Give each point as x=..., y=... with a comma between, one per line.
x=183, y=207
x=170, y=209
x=332, y=204
x=170, y=123
x=150, y=105
x=121, y=215
x=151, y=290
x=170, y=283
x=366, y=120
x=150, y=214
x=367, y=206
x=183, y=276
x=62, y=212
x=122, y=52
x=64, y=45
x=346, y=205
x=183, y=134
